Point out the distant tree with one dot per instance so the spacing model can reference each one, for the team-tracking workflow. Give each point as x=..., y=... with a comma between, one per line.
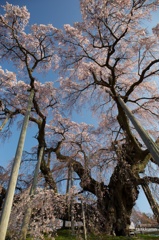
x=139, y=218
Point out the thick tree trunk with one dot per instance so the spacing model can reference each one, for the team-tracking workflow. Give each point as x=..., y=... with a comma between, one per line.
x=115, y=203
x=123, y=195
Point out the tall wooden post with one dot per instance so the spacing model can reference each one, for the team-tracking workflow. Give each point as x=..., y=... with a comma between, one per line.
x=15, y=170
x=27, y=216
x=72, y=207
x=150, y=144
x=84, y=221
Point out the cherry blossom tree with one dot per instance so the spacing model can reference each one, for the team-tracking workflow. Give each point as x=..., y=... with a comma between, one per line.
x=140, y=218
x=44, y=212
x=106, y=56
x=111, y=54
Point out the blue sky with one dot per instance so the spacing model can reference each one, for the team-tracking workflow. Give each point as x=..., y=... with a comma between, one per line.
x=56, y=12
x=41, y=12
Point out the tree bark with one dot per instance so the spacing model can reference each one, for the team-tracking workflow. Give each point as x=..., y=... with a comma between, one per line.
x=115, y=201
x=5, y=121
x=123, y=195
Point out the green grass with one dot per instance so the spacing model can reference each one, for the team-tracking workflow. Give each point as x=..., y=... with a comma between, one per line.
x=66, y=235
x=147, y=237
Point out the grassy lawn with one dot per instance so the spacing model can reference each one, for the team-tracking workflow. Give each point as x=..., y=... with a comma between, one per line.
x=66, y=235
